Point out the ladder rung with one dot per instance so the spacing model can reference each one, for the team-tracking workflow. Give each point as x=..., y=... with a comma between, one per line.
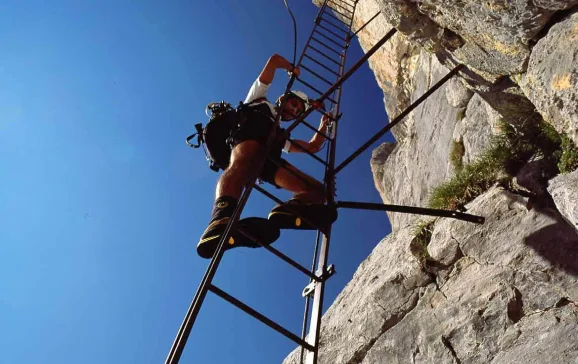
x=348, y=4
x=341, y=46
x=334, y=17
x=340, y=13
x=340, y=6
x=323, y=54
x=332, y=32
x=292, y=263
x=327, y=47
x=321, y=64
x=304, y=180
x=336, y=26
x=276, y=252
x=318, y=132
x=316, y=74
x=331, y=117
x=314, y=89
x=308, y=152
x=272, y=324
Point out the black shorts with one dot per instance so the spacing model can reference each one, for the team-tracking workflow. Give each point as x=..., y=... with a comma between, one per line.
x=258, y=129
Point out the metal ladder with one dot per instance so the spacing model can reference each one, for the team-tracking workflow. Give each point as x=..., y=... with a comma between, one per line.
x=322, y=65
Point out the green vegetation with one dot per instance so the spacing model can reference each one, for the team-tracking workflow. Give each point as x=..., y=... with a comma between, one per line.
x=461, y=114
x=506, y=154
x=568, y=155
x=457, y=154
x=422, y=235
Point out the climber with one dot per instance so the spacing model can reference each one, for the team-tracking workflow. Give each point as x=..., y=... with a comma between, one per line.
x=248, y=146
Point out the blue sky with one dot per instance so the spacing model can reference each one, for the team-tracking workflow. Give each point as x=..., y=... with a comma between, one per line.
x=102, y=203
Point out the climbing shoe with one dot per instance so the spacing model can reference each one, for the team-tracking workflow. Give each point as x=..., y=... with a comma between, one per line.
x=298, y=216
x=246, y=233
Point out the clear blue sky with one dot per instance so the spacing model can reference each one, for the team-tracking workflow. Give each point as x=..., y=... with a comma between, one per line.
x=102, y=204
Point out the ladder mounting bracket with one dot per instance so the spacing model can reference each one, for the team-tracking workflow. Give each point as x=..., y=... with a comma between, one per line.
x=310, y=288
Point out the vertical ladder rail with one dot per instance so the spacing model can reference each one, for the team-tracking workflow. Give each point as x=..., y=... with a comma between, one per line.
x=317, y=311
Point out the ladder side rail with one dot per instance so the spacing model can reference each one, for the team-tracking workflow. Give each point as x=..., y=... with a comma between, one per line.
x=317, y=311
x=201, y=293
x=348, y=74
x=307, y=307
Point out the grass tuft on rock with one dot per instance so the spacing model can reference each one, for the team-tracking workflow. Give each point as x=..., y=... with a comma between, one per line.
x=457, y=154
x=568, y=155
x=506, y=154
x=422, y=233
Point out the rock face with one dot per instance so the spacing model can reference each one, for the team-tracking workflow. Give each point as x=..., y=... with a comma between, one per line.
x=564, y=190
x=420, y=157
x=502, y=292
x=551, y=82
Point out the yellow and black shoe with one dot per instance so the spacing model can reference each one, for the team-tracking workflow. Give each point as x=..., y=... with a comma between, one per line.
x=246, y=233
x=297, y=216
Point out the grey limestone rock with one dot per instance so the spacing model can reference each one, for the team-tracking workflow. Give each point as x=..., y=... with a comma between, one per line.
x=458, y=94
x=502, y=292
x=564, y=191
x=420, y=160
x=555, y=4
x=381, y=292
x=491, y=37
x=509, y=291
x=378, y=157
x=477, y=127
x=551, y=82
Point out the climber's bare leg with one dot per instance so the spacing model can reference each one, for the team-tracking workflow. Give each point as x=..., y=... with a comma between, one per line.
x=244, y=159
x=306, y=188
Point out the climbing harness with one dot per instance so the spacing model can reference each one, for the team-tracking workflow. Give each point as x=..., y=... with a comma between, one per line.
x=320, y=60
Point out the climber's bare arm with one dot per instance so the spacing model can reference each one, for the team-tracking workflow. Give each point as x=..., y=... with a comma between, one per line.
x=315, y=144
x=273, y=64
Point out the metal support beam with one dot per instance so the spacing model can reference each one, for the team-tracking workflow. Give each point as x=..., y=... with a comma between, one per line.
x=397, y=119
x=411, y=210
x=366, y=24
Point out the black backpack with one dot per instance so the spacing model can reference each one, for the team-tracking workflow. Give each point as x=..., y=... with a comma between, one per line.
x=216, y=136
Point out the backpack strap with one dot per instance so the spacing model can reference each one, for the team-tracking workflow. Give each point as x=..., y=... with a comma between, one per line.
x=257, y=100
x=198, y=134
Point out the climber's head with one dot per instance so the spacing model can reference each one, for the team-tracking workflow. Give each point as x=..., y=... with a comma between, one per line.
x=295, y=105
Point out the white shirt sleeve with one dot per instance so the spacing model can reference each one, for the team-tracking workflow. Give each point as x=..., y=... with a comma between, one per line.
x=287, y=146
x=258, y=90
